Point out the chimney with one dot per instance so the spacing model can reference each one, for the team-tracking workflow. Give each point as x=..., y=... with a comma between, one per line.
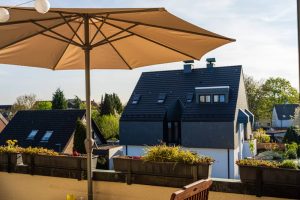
x=210, y=62
x=188, y=66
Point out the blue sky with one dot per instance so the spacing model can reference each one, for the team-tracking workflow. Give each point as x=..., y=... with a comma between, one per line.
x=265, y=30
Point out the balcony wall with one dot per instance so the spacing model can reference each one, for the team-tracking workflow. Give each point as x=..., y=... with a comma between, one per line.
x=15, y=186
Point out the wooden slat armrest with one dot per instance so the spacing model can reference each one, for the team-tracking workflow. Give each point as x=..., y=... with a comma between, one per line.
x=196, y=191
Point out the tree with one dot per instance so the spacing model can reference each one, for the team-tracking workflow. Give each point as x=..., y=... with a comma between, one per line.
x=79, y=137
x=58, y=100
x=25, y=102
x=276, y=91
x=262, y=96
x=254, y=95
x=43, y=105
x=106, y=105
x=77, y=102
x=111, y=104
x=292, y=136
x=108, y=125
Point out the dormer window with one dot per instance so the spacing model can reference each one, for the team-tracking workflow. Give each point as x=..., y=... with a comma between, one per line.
x=204, y=99
x=219, y=98
x=32, y=134
x=161, y=98
x=47, y=136
x=136, y=99
x=189, y=97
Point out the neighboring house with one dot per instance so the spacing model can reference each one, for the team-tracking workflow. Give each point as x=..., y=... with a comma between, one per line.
x=283, y=115
x=204, y=110
x=51, y=129
x=5, y=110
x=3, y=122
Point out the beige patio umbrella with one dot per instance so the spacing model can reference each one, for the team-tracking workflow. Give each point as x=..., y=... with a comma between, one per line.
x=68, y=39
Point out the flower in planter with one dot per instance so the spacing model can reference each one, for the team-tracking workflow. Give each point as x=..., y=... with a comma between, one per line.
x=11, y=147
x=163, y=153
x=39, y=151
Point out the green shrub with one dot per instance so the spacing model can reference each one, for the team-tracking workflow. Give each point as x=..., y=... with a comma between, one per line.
x=288, y=164
x=291, y=154
x=257, y=163
x=108, y=125
x=79, y=137
x=39, y=151
x=270, y=155
x=163, y=153
x=292, y=135
x=261, y=136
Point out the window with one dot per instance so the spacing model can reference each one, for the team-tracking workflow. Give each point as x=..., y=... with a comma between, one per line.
x=189, y=97
x=161, y=98
x=222, y=98
x=219, y=98
x=32, y=134
x=136, y=99
x=205, y=98
x=47, y=136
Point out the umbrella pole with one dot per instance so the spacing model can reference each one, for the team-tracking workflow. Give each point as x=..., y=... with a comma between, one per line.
x=89, y=139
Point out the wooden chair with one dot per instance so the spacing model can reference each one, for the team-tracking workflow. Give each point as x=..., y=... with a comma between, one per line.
x=195, y=191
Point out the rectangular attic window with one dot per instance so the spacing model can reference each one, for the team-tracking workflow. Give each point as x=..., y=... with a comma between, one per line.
x=189, y=97
x=161, y=98
x=32, y=134
x=136, y=99
x=47, y=136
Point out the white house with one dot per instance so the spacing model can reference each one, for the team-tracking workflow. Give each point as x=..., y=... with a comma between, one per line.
x=283, y=115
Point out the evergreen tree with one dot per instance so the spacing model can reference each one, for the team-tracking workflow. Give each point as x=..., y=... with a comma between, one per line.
x=117, y=104
x=58, y=100
x=107, y=107
x=77, y=102
x=79, y=137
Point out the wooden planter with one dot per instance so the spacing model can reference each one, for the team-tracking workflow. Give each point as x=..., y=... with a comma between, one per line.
x=270, y=176
x=8, y=161
x=168, y=169
x=59, y=162
x=268, y=146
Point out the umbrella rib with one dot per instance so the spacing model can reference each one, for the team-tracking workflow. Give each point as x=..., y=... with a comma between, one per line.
x=101, y=13
x=63, y=53
x=59, y=39
x=71, y=28
x=33, y=35
x=98, y=29
x=153, y=41
x=119, y=54
x=30, y=20
x=173, y=29
x=120, y=38
x=118, y=33
x=58, y=34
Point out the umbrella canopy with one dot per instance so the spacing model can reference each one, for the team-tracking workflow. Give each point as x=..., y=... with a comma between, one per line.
x=119, y=38
x=88, y=39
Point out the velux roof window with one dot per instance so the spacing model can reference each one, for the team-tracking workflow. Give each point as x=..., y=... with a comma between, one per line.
x=32, y=134
x=161, y=98
x=189, y=97
x=47, y=136
x=136, y=99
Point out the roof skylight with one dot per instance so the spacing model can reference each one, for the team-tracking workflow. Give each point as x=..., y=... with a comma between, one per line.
x=136, y=99
x=189, y=97
x=161, y=98
x=32, y=134
x=47, y=136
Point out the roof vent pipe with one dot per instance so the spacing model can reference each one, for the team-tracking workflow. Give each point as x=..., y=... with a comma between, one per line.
x=188, y=66
x=210, y=62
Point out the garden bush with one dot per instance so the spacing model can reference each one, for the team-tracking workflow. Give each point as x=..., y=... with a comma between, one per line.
x=39, y=151
x=291, y=151
x=288, y=164
x=292, y=135
x=261, y=136
x=270, y=155
x=11, y=147
x=257, y=163
x=163, y=153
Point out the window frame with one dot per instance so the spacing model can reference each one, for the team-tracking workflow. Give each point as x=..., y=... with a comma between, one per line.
x=45, y=137
x=205, y=96
x=32, y=134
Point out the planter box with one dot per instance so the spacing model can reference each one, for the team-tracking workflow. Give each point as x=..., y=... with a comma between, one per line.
x=269, y=146
x=9, y=160
x=60, y=162
x=169, y=169
x=271, y=176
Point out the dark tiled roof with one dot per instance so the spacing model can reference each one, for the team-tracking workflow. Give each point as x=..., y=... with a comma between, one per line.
x=61, y=122
x=177, y=85
x=285, y=111
x=5, y=107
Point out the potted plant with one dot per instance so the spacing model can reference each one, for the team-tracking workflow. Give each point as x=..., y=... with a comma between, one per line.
x=163, y=160
x=9, y=154
x=269, y=172
x=41, y=157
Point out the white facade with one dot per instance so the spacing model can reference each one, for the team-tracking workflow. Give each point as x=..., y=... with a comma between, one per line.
x=223, y=167
x=276, y=123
